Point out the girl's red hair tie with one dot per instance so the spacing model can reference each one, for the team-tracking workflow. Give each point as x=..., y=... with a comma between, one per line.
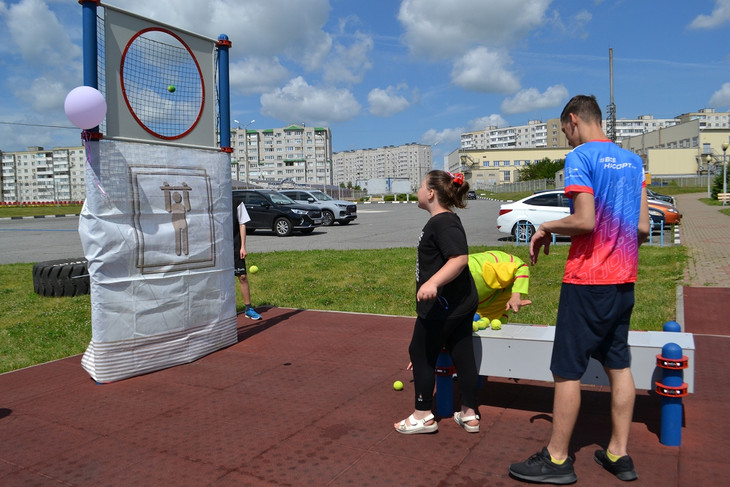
x=458, y=179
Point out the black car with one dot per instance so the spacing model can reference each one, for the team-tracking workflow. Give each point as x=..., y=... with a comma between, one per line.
x=271, y=210
x=471, y=195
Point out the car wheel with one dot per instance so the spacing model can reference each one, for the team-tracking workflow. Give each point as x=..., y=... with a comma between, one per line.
x=59, y=278
x=524, y=229
x=328, y=218
x=282, y=227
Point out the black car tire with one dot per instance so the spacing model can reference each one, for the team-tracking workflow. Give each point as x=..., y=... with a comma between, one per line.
x=328, y=218
x=530, y=230
x=282, y=227
x=61, y=278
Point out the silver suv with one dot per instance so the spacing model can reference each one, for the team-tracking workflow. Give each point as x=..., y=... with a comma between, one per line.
x=342, y=212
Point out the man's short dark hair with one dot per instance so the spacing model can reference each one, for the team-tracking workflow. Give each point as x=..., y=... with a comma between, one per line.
x=584, y=106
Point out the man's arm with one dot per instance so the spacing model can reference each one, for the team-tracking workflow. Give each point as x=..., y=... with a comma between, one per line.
x=644, y=219
x=582, y=220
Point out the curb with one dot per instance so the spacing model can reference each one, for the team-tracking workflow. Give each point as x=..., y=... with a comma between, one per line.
x=36, y=216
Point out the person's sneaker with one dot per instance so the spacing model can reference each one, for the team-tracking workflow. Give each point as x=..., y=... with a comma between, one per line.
x=623, y=468
x=539, y=468
x=251, y=313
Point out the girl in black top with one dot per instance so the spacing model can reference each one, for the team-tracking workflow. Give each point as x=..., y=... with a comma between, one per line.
x=446, y=300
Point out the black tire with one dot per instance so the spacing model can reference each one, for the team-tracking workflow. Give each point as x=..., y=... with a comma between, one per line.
x=61, y=278
x=520, y=227
x=282, y=227
x=328, y=218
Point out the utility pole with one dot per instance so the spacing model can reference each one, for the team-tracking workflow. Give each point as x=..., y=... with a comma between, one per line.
x=611, y=109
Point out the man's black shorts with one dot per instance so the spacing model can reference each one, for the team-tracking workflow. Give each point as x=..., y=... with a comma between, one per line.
x=239, y=265
x=593, y=321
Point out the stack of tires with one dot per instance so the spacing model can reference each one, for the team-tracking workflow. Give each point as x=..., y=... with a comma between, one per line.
x=64, y=277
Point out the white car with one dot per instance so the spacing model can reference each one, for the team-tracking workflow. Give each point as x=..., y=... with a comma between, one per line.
x=525, y=215
x=342, y=212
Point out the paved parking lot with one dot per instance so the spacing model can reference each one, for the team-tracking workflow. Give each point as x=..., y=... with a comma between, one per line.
x=377, y=226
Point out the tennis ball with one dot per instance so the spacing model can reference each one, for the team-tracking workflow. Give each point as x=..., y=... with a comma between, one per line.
x=483, y=323
x=398, y=385
x=475, y=326
x=496, y=324
x=253, y=269
x=477, y=317
x=171, y=88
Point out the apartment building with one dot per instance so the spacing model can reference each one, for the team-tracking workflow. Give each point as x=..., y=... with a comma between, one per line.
x=409, y=161
x=297, y=153
x=534, y=134
x=40, y=175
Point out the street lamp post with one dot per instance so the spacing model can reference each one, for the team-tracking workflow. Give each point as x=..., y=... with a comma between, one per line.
x=708, y=159
x=725, y=145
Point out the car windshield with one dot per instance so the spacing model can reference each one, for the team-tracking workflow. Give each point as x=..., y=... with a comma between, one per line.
x=280, y=199
x=321, y=196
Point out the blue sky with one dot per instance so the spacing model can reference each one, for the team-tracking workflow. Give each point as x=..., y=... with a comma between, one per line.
x=389, y=72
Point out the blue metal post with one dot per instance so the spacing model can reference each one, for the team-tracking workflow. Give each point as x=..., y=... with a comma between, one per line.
x=89, y=42
x=224, y=92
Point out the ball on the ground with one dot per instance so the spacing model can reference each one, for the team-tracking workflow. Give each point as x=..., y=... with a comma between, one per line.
x=171, y=88
x=398, y=385
x=253, y=269
x=496, y=324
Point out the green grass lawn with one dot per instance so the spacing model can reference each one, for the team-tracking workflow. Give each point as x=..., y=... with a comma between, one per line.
x=12, y=211
x=36, y=329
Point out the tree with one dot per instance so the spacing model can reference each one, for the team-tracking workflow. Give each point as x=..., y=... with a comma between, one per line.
x=544, y=169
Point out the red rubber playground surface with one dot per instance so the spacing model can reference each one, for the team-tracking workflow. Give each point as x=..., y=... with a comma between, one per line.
x=306, y=398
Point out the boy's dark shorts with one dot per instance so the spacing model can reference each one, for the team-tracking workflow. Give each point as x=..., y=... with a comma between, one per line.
x=593, y=321
x=239, y=265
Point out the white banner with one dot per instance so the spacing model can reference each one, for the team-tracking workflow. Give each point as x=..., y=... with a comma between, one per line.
x=157, y=231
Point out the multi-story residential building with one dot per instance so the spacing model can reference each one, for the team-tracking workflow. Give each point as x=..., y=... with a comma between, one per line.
x=297, y=153
x=535, y=134
x=409, y=161
x=42, y=175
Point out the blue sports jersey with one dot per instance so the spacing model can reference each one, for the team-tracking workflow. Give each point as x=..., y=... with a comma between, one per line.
x=615, y=177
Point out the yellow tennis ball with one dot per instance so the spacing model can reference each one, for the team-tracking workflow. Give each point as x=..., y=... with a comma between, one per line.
x=496, y=324
x=475, y=326
x=483, y=323
x=398, y=385
x=253, y=269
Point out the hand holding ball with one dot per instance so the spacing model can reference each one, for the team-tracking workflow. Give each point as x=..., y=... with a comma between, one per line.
x=398, y=385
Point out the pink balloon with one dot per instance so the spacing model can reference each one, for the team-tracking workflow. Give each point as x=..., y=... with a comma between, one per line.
x=85, y=107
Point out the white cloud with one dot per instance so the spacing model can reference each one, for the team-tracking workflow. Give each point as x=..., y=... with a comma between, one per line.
x=443, y=28
x=257, y=75
x=299, y=101
x=485, y=70
x=387, y=102
x=493, y=120
x=39, y=36
x=433, y=137
x=721, y=98
x=348, y=64
x=720, y=14
x=531, y=99
x=43, y=94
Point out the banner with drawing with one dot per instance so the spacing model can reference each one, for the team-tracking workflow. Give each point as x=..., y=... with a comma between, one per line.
x=156, y=229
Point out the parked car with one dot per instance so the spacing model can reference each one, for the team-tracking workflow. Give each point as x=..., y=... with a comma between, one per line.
x=653, y=195
x=531, y=211
x=342, y=212
x=271, y=210
x=471, y=195
x=671, y=213
x=658, y=220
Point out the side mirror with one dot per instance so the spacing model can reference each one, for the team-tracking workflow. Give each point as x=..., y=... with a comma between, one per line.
x=310, y=200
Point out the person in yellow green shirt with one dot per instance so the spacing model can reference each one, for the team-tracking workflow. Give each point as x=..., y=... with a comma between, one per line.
x=501, y=280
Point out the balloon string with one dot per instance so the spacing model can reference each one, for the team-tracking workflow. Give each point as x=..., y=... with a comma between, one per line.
x=86, y=137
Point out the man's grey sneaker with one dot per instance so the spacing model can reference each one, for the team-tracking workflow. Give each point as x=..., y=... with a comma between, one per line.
x=539, y=468
x=623, y=468
x=251, y=313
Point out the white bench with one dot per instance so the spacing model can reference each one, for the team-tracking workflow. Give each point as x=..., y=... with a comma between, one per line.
x=520, y=351
x=723, y=197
